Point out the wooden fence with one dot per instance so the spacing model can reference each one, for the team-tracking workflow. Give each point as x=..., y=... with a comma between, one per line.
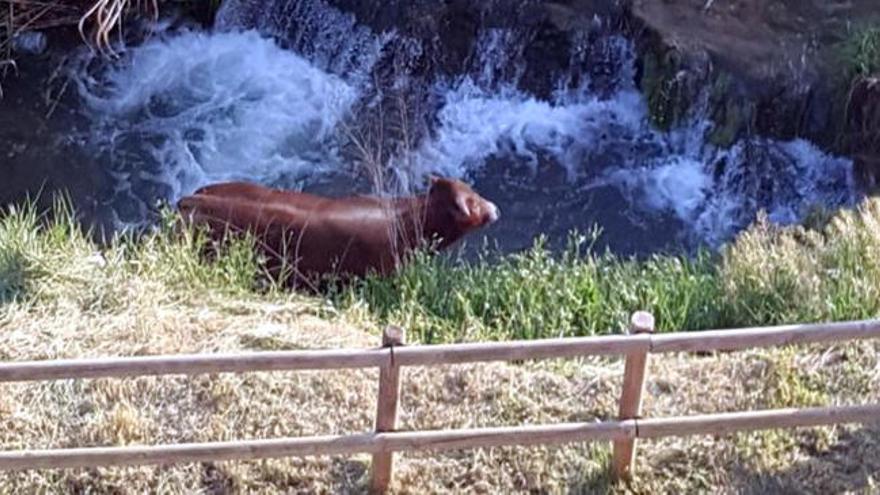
x=393, y=355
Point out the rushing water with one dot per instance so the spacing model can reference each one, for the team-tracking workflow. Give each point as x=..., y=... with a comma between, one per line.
x=272, y=95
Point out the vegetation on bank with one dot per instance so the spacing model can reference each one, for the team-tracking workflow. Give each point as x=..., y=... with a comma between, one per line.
x=100, y=22
x=769, y=275
x=63, y=296
x=859, y=53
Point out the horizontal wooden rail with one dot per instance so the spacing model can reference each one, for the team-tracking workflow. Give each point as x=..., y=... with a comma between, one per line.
x=721, y=424
x=438, y=439
x=430, y=355
x=516, y=350
x=747, y=338
x=392, y=356
x=191, y=364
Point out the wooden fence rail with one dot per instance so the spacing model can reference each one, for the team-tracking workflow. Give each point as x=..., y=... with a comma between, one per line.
x=433, y=355
x=393, y=355
x=438, y=440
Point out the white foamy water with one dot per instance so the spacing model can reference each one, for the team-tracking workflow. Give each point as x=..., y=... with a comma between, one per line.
x=195, y=108
x=474, y=125
x=330, y=39
x=609, y=142
x=188, y=109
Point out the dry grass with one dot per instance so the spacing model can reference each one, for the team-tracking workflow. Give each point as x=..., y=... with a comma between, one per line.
x=97, y=21
x=106, y=16
x=154, y=297
x=260, y=405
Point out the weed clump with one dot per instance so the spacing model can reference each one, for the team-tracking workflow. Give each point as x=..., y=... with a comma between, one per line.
x=770, y=275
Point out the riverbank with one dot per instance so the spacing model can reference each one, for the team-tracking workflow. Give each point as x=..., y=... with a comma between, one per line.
x=828, y=270
x=63, y=296
x=778, y=68
x=558, y=142
x=768, y=275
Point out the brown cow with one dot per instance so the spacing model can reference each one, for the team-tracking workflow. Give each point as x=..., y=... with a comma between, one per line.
x=315, y=235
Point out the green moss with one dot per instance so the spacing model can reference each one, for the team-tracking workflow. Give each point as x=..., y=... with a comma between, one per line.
x=859, y=52
x=664, y=92
x=729, y=113
x=669, y=98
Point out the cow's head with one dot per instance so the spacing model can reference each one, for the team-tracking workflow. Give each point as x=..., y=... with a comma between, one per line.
x=458, y=206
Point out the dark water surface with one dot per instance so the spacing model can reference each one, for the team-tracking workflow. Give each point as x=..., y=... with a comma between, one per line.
x=191, y=107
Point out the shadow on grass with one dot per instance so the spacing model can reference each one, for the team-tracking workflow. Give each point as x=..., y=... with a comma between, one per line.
x=851, y=465
x=13, y=276
x=595, y=475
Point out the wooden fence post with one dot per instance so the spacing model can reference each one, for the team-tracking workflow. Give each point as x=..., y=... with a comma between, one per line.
x=631, y=397
x=386, y=410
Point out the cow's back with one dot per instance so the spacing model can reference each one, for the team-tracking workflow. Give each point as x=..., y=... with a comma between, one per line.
x=321, y=235
x=347, y=236
x=249, y=192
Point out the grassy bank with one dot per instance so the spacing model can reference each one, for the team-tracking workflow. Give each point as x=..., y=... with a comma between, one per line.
x=63, y=296
x=769, y=275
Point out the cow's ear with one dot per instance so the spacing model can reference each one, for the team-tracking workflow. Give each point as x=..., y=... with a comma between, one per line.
x=433, y=179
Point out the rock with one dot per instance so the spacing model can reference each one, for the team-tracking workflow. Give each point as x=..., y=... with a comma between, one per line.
x=670, y=79
x=448, y=31
x=862, y=131
x=772, y=68
x=761, y=41
x=546, y=57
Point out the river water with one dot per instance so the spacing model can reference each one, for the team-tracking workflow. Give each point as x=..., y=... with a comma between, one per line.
x=300, y=95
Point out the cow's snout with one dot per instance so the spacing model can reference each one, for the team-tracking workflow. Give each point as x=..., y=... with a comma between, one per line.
x=493, y=213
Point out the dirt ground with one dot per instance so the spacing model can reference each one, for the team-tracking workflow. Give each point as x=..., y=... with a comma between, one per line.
x=154, y=410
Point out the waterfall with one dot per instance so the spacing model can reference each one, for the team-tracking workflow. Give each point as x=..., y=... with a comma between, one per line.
x=267, y=96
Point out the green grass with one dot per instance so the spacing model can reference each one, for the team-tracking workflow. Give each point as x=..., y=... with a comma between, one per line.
x=769, y=275
x=860, y=52
x=46, y=257
x=535, y=294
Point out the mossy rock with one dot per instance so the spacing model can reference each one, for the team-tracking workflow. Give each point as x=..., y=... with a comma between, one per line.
x=730, y=113
x=664, y=88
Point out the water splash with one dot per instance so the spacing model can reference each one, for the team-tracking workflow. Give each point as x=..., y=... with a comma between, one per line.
x=185, y=110
x=607, y=139
x=330, y=39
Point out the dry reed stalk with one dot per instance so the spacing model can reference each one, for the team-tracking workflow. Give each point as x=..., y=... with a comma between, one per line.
x=107, y=16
